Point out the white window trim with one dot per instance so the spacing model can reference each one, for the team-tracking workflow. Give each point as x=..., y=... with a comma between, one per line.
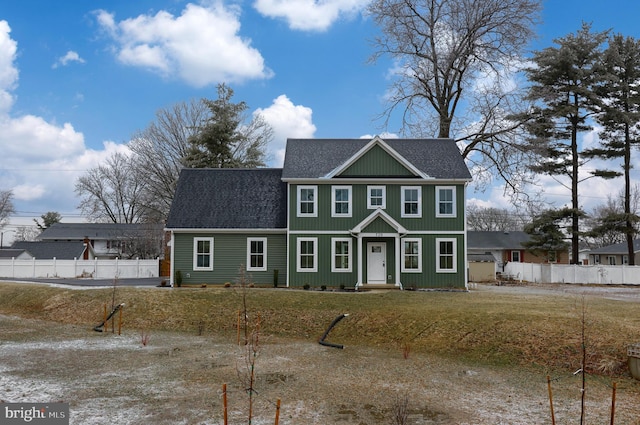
x=611, y=260
x=419, y=269
x=625, y=259
x=453, y=201
x=264, y=255
x=455, y=259
x=315, y=201
x=299, y=269
x=333, y=255
x=519, y=256
x=555, y=259
x=384, y=197
x=333, y=201
x=596, y=258
x=195, y=254
x=402, y=202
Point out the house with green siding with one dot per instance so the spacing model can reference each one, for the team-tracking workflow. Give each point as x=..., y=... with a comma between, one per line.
x=350, y=213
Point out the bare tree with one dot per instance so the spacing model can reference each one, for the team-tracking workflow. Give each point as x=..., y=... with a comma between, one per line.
x=26, y=233
x=607, y=223
x=113, y=192
x=6, y=206
x=493, y=219
x=160, y=147
x=456, y=60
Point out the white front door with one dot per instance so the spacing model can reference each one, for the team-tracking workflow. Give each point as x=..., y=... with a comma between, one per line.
x=376, y=262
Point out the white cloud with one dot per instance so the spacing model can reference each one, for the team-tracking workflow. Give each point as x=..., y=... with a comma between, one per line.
x=40, y=160
x=202, y=46
x=8, y=72
x=309, y=15
x=70, y=56
x=287, y=120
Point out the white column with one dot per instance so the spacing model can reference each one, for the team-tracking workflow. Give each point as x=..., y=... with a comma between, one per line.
x=360, y=254
x=398, y=259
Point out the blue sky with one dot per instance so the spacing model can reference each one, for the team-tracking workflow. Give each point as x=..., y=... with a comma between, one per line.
x=78, y=78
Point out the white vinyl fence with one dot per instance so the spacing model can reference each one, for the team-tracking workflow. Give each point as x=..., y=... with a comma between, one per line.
x=574, y=273
x=96, y=269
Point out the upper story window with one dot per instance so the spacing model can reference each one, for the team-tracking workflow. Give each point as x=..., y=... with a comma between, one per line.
x=376, y=197
x=445, y=201
x=307, y=201
x=341, y=201
x=411, y=201
x=256, y=254
x=202, y=253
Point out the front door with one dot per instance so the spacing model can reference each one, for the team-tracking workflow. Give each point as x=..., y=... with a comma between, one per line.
x=376, y=262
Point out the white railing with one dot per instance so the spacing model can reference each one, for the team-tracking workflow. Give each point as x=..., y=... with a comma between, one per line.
x=96, y=269
x=574, y=273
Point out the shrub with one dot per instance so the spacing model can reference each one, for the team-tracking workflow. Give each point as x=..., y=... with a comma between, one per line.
x=323, y=287
x=178, y=278
x=306, y=287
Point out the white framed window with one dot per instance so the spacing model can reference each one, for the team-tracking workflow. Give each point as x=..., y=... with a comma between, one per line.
x=625, y=259
x=376, y=197
x=307, y=258
x=203, y=254
x=341, y=201
x=596, y=258
x=307, y=201
x=412, y=255
x=445, y=201
x=341, y=254
x=515, y=257
x=611, y=260
x=257, y=254
x=446, y=261
x=411, y=201
x=552, y=256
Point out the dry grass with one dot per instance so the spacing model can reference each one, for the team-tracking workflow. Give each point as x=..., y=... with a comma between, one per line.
x=479, y=326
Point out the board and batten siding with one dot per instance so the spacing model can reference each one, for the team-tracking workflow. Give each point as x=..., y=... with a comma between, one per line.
x=324, y=220
x=229, y=254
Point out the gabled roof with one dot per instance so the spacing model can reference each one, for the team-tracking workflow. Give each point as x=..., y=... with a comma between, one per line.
x=497, y=240
x=10, y=253
x=96, y=231
x=322, y=158
x=227, y=198
x=379, y=213
x=619, y=248
x=64, y=250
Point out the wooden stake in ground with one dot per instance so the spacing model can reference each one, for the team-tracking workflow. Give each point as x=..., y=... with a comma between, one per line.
x=553, y=416
x=224, y=403
x=613, y=403
x=120, y=321
x=277, y=412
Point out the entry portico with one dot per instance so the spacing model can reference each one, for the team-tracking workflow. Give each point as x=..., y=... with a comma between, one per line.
x=376, y=229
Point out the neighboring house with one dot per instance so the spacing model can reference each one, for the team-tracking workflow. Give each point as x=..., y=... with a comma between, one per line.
x=614, y=255
x=61, y=250
x=110, y=240
x=506, y=247
x=10, y=253
x=340, y=213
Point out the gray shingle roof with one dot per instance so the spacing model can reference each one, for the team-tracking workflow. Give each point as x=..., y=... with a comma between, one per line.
x=619, y=248
x=496, y=240
x=315, y=158
x=103, y=231
x=52, y=249
x=226, y=198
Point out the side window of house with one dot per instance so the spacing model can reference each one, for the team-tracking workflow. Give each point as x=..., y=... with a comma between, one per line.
x=412, y=255
x=341, y=201
x=612, y=260
x=307, y=260
x=553, y=257
x=307, y=201
x=376, y=197
x=596, y=259
x=341, y=254
x=202, y=253
x=411, y=201
x=625, y=259
x=446, y=261
x=256, y=254
x=445, y=201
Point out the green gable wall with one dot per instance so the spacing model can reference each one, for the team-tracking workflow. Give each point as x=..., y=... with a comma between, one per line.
x=230, y=252
x=377, y=163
